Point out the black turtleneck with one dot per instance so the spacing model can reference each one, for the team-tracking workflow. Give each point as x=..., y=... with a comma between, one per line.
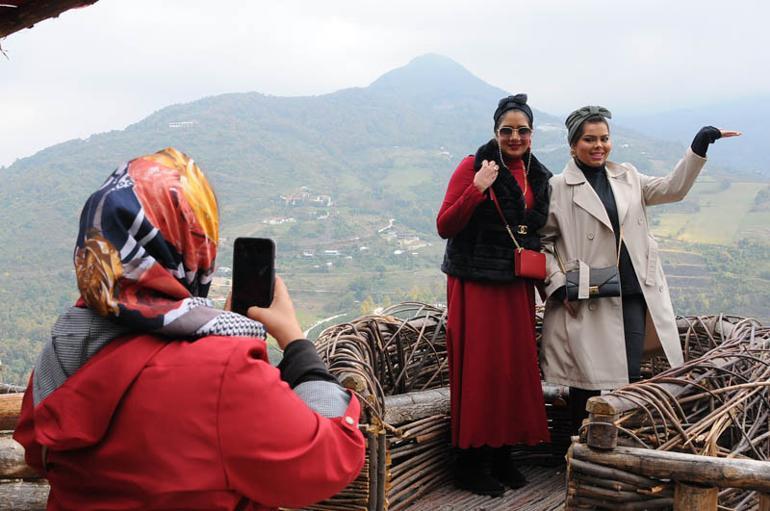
x=597, y=177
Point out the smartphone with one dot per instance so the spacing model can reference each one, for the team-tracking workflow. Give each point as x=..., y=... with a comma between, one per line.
x=253, y=273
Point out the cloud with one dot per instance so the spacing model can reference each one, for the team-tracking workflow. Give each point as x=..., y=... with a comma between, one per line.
x=113, y=63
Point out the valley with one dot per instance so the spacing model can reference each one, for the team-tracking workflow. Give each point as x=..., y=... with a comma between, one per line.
x=350, y=195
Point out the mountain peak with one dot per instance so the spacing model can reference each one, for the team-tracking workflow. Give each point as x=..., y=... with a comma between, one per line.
x=433, y=73
x=436, y=60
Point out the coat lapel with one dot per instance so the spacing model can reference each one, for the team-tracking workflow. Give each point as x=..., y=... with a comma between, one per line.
x=621, y=188
x=583, y=194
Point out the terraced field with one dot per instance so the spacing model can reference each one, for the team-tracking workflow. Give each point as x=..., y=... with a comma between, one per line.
x=716, y=213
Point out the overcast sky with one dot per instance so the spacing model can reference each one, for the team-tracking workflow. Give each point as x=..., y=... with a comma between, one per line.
x=111, y=64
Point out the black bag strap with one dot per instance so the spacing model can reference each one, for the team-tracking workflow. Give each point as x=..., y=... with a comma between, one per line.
x=502, y=217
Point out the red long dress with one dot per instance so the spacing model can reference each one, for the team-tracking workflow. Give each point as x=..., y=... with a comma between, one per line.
x=496, y=396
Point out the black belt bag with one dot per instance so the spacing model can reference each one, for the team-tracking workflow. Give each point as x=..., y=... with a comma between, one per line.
x=602, y=282
x=597, y=282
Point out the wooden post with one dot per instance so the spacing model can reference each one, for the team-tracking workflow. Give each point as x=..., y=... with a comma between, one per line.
x=10, y=408
x=764, y=501
x=382, y=467
x=695, y=497
x=602, y=413
x=602, y=433
x=372, y=446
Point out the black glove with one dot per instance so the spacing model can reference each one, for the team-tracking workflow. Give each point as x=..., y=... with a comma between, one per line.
x=707, y=135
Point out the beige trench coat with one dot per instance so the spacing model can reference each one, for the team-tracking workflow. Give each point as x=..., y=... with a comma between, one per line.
x=589, y=351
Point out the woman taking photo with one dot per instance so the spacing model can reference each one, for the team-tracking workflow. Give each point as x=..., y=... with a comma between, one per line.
x=597, y=220
x=147, y=397
x=496, y=396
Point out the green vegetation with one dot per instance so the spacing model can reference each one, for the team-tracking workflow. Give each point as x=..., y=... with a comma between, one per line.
x=732, y=279
x=716, y=212
x=378, y=153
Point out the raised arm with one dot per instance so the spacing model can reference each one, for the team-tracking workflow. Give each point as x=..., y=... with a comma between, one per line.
x=464, y=193
x=301, y=367
x=675, y=186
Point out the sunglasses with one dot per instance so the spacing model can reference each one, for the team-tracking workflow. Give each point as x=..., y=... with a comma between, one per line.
x=507, y=131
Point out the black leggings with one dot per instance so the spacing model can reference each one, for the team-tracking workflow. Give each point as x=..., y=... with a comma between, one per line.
x=634, y=317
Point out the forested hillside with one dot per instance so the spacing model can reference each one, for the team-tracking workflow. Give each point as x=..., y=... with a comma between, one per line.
x=348, y=184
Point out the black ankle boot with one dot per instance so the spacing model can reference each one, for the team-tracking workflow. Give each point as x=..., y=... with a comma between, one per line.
x=577, y=407
x=504, y=468
x=473, y=473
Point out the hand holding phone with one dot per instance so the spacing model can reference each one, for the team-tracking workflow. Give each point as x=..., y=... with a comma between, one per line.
x=279, y=319
x=253, y=273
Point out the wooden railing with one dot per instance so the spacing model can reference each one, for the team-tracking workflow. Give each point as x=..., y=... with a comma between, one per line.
x=696, y=437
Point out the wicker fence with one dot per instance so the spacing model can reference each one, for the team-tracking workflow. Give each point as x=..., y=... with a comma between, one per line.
x=396, y=363
x=682, y=437
x=696, y=437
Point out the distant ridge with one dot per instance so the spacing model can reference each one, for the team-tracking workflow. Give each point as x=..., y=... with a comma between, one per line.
x=378, y=152
x=750, y=115
x=431, y=73
x=353, y=142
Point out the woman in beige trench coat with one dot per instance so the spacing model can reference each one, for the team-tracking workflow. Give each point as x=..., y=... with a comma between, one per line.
x=597, y=343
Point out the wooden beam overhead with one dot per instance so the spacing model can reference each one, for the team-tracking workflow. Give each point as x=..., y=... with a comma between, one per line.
x=16, y=15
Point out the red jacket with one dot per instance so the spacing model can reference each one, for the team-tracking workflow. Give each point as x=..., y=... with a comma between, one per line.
x=151, y=424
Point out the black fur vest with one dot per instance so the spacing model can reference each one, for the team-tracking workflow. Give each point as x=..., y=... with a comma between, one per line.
x=483, y=250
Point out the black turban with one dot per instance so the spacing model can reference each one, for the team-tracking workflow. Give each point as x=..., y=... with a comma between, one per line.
x=517, y=102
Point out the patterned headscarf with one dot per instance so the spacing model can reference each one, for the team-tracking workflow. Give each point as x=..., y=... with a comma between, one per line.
x=144, y=260
x=147, y=244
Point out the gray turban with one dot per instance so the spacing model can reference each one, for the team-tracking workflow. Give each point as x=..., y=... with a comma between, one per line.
x=579, y=116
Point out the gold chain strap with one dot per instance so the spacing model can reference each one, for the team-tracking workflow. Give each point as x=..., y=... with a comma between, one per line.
x=526, y=170
x=523, y=195
x=502, y=217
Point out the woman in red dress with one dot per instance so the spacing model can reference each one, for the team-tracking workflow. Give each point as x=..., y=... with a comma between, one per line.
x=496, y=397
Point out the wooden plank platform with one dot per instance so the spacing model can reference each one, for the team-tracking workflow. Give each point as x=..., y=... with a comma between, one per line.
x=545, y=492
